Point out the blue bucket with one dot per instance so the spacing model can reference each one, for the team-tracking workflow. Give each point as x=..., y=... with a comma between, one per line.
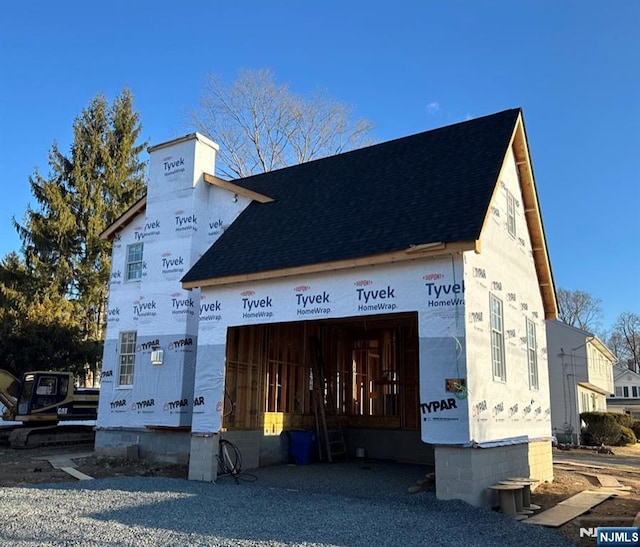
x=301, y=446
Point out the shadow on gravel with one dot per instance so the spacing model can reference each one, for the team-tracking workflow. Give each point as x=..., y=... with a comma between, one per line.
x=320, y=504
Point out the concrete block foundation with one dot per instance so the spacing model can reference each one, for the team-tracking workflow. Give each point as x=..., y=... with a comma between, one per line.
x=466, y=473
x=203, y=464
x=163, y=446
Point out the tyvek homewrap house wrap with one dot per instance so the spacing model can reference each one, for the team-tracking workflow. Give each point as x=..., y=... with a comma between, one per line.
x=419, y=266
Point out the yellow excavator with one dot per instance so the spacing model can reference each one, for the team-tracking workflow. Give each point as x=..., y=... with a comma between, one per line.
x=42, y=402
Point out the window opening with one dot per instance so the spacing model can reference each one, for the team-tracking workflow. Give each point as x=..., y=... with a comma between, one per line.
x=127, y=357
x=532, y=355
x=497, y=339
x=134, y=262
x=511, y=213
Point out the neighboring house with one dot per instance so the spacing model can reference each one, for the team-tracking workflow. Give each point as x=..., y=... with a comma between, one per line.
x=626, y=395
x=416, y=270
x=580, y=375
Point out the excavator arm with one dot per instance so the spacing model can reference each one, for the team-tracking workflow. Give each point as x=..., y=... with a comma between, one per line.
x=9, y=393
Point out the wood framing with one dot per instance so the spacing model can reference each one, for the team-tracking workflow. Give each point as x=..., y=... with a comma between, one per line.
x=236, y=188
x=533, y=217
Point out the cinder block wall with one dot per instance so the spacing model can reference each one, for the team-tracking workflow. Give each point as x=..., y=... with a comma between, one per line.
x=248, y=443
x=155, y=446
x=203, y=463
x=204, y=466
x=258, y=449
x=466, y=473
x=541, y=461
x=390, y=444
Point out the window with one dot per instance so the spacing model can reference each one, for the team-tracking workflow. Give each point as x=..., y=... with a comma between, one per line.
x=618, y=392
x=584, y=402
x=532, y=355
x=134, y=262
x=127, y=358
x=374, y=377
x=47, y=386
x=634, y=391
x=497, y=339
x=625, y=391
x=511, y=213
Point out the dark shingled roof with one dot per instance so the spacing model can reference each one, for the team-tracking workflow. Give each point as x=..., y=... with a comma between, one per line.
x=431, y=187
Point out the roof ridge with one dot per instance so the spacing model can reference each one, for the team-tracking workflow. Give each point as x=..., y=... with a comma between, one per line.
x=448, y=127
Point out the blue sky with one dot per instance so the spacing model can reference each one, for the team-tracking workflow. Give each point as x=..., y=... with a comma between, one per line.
x=408, y=66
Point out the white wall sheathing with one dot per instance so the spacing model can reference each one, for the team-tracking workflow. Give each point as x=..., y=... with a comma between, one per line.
x=175, y=229
x=460, y=401
x=512, y=408
x=432, y=287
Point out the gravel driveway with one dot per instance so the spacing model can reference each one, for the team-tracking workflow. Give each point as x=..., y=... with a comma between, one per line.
x=315, y=505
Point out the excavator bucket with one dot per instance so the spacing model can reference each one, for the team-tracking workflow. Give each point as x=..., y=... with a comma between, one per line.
x=9, y=393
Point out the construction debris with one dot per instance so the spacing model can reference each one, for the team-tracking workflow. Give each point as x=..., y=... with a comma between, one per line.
x=428, y=483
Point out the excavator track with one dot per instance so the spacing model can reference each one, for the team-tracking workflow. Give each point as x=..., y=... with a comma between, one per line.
x=51, y=435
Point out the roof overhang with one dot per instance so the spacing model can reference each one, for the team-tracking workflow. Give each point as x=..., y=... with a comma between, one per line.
x=602, y=348
x=593, y=387
x=140, y=205
x=620, y=372
x=412, y=253
x=191, y=136
x=627, y=403
x=533, y=218
x=236, y=188
x=124, y=219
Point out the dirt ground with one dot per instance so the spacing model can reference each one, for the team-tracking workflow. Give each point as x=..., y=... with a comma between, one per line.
x=31, y=466
x=570, y=479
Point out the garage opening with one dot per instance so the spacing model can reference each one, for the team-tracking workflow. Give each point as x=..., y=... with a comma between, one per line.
x=371, y=369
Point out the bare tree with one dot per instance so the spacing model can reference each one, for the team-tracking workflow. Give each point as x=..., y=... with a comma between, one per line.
x=625, y=340
x=262, y=125
x=578, y=309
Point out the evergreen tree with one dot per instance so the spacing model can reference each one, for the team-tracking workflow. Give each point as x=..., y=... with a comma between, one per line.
x=66, y=265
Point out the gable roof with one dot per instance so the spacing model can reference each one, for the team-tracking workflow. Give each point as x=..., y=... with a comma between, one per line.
x=618, y=374
x=589, y=338
x=125, y=218
x=420, y=195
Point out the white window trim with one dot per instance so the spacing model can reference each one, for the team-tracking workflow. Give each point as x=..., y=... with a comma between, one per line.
x=511, y=214
x=122, y=353
x=532, y=355
x=129, y=263
x=498, y=356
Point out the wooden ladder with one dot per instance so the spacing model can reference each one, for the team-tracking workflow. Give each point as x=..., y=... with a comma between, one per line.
x=332, y=445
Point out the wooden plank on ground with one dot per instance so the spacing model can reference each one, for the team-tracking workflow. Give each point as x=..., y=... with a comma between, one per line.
x=576, y=464
x=77, y=474
x=586, y=499
x=61, y=463
x=620, y=491
x=608, y=481
x=569, y=509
